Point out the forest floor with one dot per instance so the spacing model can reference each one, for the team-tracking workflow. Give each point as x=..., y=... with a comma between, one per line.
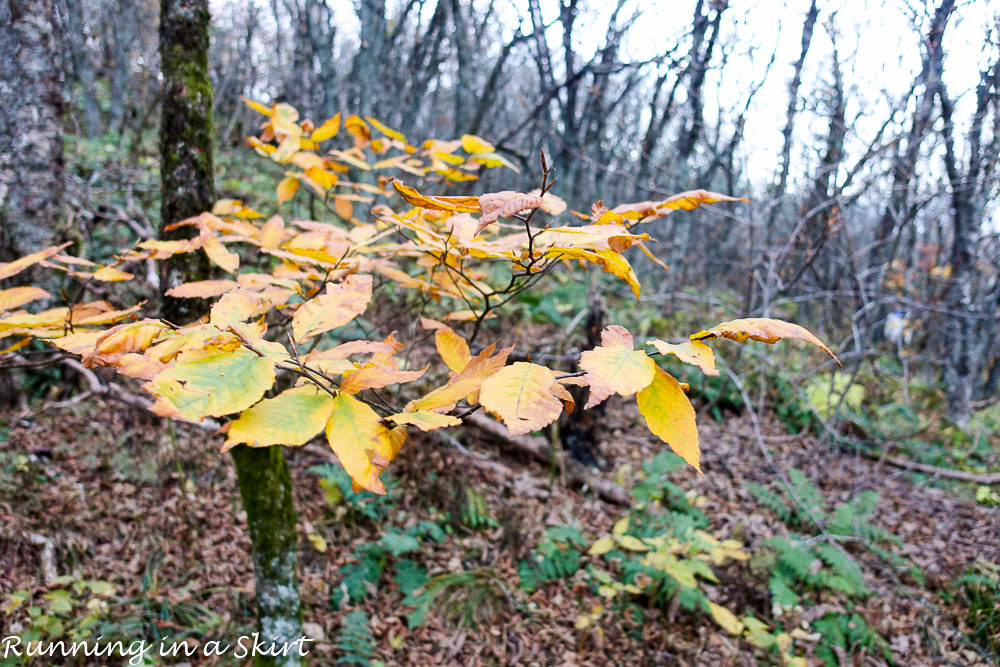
x=101, y=481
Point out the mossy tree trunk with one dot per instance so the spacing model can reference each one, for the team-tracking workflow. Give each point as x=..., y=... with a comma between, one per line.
x=187, y=189
x=266, y=488
x=187, y=139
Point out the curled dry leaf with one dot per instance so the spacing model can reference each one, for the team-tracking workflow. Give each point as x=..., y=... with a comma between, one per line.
x=685, y=201
x=763, y=329
x=504, y=204
x=551, y=204
x=454, y=204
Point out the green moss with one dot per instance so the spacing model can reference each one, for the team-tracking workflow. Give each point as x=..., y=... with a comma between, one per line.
x=266, y=489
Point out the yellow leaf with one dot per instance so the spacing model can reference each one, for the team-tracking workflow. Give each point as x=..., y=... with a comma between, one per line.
x=375, y=377
x=454, y=204
x=234, y=308
x=287, y=188
x=256, y=106
x=726, y=619
x=340, y=304
x=12, y=268
x=202, y=289
x=327, y=130
x=601, y=546
x=670, y=417
x=387, y=131
x=221, y=384
x=620, y=527
x=109, y=274
x=291, y=418
x=632, y=543
x=493, y=160
x=124, y=339
x=693, y=352
x=356, y=435
x=220, y=255
x=325, y=179
x=453, y=349
x=287, y=149
x=15, y=297
x=425, y=420
x=521, y=396
x=610, y=262
x=318, y=542
x=685, y=201
x=763, y=329
x=615, y=369
x=473, y=144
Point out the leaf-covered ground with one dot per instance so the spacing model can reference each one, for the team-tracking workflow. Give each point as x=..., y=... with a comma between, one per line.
x=159, y=518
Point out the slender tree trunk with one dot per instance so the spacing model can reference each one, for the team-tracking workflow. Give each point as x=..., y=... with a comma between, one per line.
x=266, y=488
x=186, y=143
x=31, y=123
x=83, y=69
x=187, y=138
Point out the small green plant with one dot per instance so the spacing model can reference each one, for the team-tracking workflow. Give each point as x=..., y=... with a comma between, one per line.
x=355, y=641
x=70, y=610
x=979, y=591
x=467, y=599
x=557, y=556
x=340, y=495
x=370, y=559
x=475, y=512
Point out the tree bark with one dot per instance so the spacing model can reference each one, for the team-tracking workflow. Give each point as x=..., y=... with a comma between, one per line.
x=83, y=68
x=266, y=489
x=187, y=137
x=31, y=125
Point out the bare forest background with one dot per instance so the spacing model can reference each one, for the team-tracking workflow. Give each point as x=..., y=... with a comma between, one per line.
x=868, y=196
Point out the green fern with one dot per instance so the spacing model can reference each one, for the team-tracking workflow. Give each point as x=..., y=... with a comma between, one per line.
x=354, y=640
x=772, y=500
x=557, y=556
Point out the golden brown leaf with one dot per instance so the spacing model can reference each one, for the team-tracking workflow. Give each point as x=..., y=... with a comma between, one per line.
x=340, y=304
x=202, y=289
x=763, y=329
x=15, y=297
x=454, y=204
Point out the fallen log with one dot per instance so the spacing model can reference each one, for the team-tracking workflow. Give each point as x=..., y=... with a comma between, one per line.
x=538, y=448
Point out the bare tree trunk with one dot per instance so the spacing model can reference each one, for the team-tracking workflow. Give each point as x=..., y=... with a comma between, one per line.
x=118, y=80
x=83, y=68
x=961, y=330
x=187, y=142
x=793, y=98
x=31, y=126
x=897, y=212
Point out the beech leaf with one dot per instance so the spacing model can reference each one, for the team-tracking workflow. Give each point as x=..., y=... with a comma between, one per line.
x=340, y=304
x=521, y=396
x=670, y=416
x=763, y=329
x=291, y=418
